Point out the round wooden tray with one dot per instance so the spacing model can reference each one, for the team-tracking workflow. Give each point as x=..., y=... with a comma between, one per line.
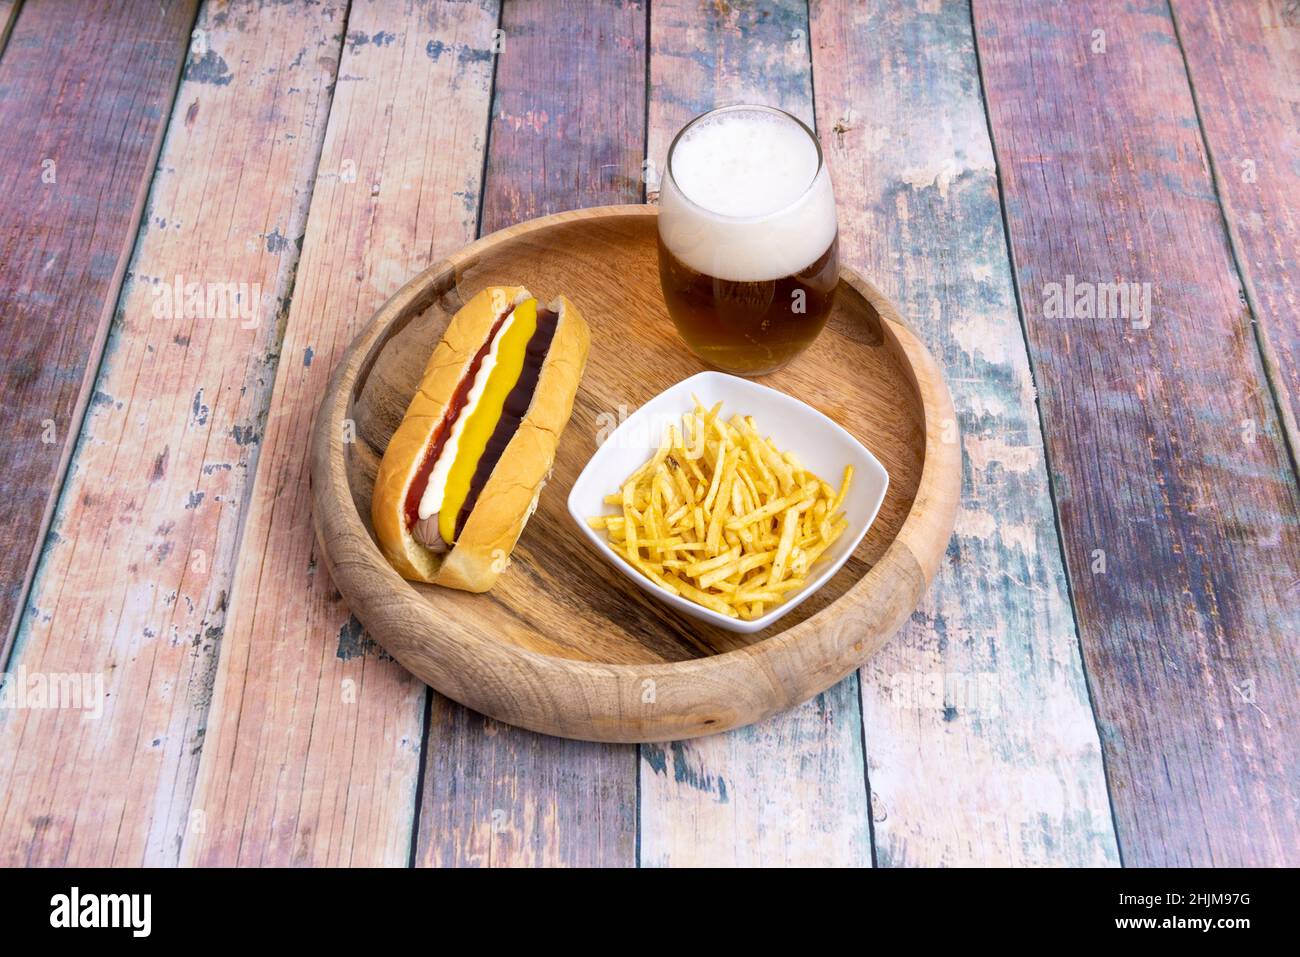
x=564, y=644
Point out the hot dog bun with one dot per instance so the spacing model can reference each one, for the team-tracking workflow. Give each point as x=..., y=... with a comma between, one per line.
x=507, y=500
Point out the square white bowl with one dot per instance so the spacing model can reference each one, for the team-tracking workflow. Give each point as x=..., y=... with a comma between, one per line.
x=821, y=445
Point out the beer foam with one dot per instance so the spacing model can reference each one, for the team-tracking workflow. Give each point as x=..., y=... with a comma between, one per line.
x=746, y=198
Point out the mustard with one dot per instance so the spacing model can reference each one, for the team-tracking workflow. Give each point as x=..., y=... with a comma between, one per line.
x=510, y=353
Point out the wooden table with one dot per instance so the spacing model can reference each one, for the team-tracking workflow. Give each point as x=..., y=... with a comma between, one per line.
x=1106, y=669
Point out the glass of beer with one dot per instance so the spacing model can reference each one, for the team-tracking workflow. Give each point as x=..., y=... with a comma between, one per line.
x=748, y=242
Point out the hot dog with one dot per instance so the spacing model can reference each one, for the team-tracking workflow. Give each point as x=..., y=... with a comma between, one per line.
x=462, y=474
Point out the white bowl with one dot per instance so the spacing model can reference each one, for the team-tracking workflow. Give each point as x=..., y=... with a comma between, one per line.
x=821, y=445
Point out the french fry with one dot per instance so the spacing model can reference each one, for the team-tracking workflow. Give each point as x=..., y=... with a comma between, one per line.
x=716, y=481
x=720, y=509
x=656, y=578
x=714, y=602
x=661, y=543
x=789, y=525
x=844, y=490
x=758, y=515
x=755, y=560
x=683, y=485
x=709, y=564
x=721, y=573
x=737, y=497
x=814, y=552
x=770, y=593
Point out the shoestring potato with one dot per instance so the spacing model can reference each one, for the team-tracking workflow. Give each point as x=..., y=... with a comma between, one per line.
x=723, y=518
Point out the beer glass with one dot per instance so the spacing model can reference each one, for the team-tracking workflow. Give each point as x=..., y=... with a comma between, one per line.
x=748, y=241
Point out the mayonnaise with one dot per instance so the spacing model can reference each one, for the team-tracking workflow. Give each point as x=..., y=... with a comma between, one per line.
x=431, y=501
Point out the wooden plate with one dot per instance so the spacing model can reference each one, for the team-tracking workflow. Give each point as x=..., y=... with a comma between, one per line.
x=564, y=644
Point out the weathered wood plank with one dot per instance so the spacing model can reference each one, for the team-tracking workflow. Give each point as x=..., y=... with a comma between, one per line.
x=74, y=169
x=8, y=14
x=1245, y=73
x=132, y=584
x=568, y=126
x=728, y=799
x=980, y=741
x=313, y=745
x=568, y=120
x=1175, y=496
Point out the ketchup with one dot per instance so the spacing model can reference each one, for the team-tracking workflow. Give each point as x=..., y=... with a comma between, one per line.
x=458, y=400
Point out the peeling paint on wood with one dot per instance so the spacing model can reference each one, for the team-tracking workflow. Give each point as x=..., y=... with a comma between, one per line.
x=568, y=118
x=312, y=751
x=1180, y=522
x=74, y=171
x=139, y=487
x=980, y=742
x=1245, y=73
x=1176, y=498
